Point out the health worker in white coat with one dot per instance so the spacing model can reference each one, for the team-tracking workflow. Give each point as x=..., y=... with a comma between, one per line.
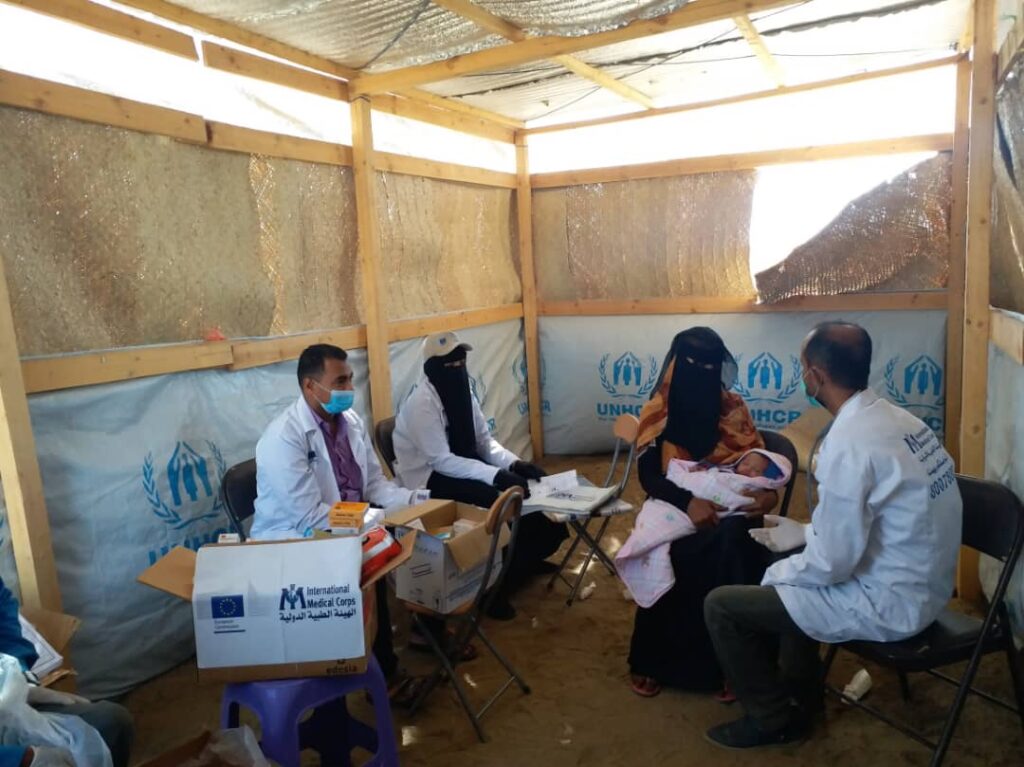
x=316, y=453
x=880, y=552
x=442, y=442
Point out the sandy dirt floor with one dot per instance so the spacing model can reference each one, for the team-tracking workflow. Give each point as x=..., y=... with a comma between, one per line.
x=581, y=711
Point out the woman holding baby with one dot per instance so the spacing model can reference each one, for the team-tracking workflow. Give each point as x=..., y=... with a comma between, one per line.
x=693, y=416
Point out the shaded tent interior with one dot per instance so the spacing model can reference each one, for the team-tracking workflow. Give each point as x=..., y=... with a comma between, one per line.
x=165, y=246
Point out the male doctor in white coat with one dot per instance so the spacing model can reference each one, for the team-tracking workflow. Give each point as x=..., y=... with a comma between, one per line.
x=316, y=453
x=880, y=556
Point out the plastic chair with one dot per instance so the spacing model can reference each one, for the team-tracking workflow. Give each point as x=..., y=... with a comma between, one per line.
x=993, y=523
x=779, y=443
x=465, y=621
x=625, y=429
x=383, y=434
x=281, y=704
x=238, y=488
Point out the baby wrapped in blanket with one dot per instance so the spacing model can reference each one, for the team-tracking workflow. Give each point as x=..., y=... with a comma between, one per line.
x=643, y=562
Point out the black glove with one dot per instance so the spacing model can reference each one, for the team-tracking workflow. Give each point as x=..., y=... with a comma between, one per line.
x=527, y=470
x=503, y=480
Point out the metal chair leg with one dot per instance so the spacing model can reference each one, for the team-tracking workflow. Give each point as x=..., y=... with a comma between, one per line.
x=503, y=661
x=904, y=686
x=565, y=560
x=954, y=712
x=1013, y=658
x=431, y=683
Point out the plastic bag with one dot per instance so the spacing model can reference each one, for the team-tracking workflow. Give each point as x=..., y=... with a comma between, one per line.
x=236, y=747
x=22, y=725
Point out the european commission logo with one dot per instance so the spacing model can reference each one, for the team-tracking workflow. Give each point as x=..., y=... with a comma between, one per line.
x=226, y=610
x=766, y=384
x=232, y=606
x=629, y=378
x=917, y=387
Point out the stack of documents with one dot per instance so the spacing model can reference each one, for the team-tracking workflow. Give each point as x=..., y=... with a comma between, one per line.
x=564, y=493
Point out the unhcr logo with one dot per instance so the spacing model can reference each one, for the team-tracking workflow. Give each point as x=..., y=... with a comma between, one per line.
x=628, y=380
x=519, y=373
x=186, y=493
x=766, y=385
x=917, y=387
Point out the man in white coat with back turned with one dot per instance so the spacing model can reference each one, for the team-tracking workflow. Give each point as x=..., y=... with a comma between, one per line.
x=316, y=453
x=879, y=559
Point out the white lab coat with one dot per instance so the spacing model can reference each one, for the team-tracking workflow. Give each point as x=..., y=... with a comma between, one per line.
x=421, y=442
x=295, y=480
x=882, y=545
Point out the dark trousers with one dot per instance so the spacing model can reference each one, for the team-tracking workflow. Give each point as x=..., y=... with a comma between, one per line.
x=538, y=539
x=111, y=721
x=384, y=642
x=769, y=662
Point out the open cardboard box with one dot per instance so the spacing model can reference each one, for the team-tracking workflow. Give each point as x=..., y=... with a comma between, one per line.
x=57, y=629
x=444, y=573
x=190, y=749
x=175, y=573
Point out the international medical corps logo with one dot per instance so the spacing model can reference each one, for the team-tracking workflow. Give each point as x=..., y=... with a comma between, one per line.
x=765, y=379
x=629, y=376
x=191, y=486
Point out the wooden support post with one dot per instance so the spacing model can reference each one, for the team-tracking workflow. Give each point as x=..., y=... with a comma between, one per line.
x=19, y=472
x=374, y=314
x=976, y=285
x=524, y=210
x=957, y=256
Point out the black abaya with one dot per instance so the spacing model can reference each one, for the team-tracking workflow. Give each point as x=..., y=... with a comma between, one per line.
x=670, y=641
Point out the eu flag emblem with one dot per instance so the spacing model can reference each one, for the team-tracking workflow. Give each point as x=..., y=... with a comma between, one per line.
x=228, y=607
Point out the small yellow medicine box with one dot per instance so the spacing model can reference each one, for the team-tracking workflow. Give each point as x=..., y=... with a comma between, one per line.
x=346, y=517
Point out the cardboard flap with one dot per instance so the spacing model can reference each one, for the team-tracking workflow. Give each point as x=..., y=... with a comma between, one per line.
x=56, y=628
x=407, y=543
x=172, y=574
x=403, y=517
x=472, y=547
x=188, y=750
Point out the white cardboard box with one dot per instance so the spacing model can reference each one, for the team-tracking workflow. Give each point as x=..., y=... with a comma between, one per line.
x=444, y=574
x=276, y=610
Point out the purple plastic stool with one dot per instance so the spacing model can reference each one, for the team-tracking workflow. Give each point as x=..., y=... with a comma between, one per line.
x=329, y=731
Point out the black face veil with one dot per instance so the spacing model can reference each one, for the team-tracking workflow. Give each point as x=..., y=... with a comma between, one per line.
x=450, y=378
x=703, y=368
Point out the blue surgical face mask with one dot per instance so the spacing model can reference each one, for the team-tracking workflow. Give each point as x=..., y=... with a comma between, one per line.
x=810, y=397
x=340, y=401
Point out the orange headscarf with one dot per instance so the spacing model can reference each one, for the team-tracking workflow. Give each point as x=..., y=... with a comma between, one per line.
x=736, y=430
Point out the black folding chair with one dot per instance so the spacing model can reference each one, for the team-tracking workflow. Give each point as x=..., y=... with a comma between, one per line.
x=465, y=621
x=384, y=433
x=993, y=523
x=238, y=487
x=625, y=429
x=779, y=443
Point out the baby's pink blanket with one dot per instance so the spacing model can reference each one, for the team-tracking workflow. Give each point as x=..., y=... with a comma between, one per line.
x=643, y=562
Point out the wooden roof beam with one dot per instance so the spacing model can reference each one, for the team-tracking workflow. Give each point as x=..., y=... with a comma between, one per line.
x=536, y=48
x=228, y=31
x=492, y=23
x=760, y=49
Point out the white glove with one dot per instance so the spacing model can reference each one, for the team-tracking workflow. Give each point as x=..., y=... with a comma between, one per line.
x=780, y=534
x=46, y=756
x=44, y=696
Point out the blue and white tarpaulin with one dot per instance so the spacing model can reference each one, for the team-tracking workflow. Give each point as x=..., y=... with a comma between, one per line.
x=593, y=369
x=1004, y=462
x=497, y=374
